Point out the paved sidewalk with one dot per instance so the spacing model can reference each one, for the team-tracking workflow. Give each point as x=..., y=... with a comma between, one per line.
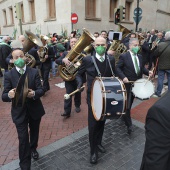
x=124, y=152
x=64, y=142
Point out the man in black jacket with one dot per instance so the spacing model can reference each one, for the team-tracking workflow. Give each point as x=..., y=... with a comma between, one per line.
x=157, y=131
x=130, y=68
x=70, y=85
x=96, y=128
x=25, y=113
x=45, y=65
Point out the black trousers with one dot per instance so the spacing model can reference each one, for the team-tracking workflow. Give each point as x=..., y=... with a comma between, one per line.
x=70, y=87
x=45, y=71
x=130, y=98
x=96, y=128
x=25, y=146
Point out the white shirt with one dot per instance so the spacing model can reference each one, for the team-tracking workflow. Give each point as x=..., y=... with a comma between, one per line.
x=132, y=56
x=98, y=57
x=18, y=69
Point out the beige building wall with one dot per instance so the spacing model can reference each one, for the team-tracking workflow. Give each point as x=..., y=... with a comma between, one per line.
x=156, y=14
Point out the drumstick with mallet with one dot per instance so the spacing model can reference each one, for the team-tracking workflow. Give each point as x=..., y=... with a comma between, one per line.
x=153, y=70
x=67, y=96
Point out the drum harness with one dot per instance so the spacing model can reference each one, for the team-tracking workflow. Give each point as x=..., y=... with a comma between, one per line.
x=95, y=64
x=99, y=74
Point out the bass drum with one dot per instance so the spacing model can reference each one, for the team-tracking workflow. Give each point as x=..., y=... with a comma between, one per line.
x=108, y=98
x=143, y=89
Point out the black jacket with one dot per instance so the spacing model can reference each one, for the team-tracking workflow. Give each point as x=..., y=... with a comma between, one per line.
x=125, y=67
x=90, y=70
x=163, y=55
x=33, y=106
x=5, y=50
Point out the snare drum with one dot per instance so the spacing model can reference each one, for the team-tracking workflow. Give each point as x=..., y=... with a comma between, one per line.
x=143, y=89
x=108, y=98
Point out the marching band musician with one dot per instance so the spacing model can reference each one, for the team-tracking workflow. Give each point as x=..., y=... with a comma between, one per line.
x=150, y=40
x=32, y=51
x=26, y=113
x=70, y=85
x=45, y=66
x=130, y=68
x=96, y=128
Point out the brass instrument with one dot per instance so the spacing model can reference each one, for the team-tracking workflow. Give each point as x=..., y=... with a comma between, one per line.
x=30, y=61
x=154, y=44
x=141, y=41
x=30, y=41
x=75, y=56
x=88, y=49
x=117, y=46
x=43, y=50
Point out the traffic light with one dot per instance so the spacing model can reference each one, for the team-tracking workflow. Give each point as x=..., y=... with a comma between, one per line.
x=18, y=11
x=122, y=12
x=117, y=15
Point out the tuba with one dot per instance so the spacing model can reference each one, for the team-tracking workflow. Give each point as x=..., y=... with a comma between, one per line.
x=75, y=56
x=30, y=41
x=117, y=46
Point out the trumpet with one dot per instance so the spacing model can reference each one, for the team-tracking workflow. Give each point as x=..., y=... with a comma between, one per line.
x=154, y=44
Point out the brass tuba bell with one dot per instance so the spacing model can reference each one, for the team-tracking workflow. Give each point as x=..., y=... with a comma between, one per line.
x=30, y=41
x=75, y=56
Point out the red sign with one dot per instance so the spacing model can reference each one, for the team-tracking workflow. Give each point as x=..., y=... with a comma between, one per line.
x=74, y=18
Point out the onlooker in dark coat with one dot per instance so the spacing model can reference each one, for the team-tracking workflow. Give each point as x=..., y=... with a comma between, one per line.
x=5, y=50
x=163, y=54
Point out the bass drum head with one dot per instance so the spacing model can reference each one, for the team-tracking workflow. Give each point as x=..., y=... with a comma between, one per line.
x=97, y=99
x=143, y=89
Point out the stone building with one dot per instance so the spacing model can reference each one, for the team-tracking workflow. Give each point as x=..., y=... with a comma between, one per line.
x=49, y=16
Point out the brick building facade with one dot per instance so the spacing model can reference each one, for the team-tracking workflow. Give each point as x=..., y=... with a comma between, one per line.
x=49, y=16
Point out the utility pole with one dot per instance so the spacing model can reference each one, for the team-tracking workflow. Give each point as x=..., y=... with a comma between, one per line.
x=137, y=16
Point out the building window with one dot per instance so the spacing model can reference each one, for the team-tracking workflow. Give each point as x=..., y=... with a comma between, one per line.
x=51, y=9
x=11, y=15
x=113, y=5
x=5, y=17
x=32, y=10
x=22, y=11
x=127, y=6
x=90, y=8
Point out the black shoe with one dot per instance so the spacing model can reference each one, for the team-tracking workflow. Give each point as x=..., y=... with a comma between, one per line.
x=66, y=115
x=77, y=109
x=35, y=154
x=166, y=83
x=156, y=95
x=93, y=158
x=129, y=130
x=101, y=149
